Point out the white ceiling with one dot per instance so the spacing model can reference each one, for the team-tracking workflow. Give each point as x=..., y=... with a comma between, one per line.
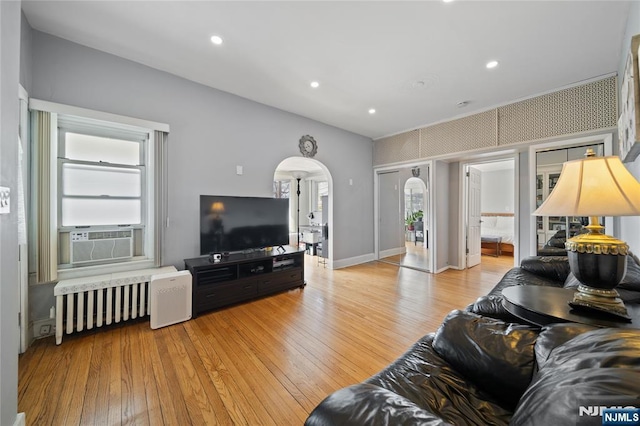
x=365, y=54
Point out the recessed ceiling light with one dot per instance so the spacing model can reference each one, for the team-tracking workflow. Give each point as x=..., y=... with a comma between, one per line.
x=315, y=84
x=492, y=64
x=447, y=1
x=216, y=40
x=372, y=111
x=462, y=104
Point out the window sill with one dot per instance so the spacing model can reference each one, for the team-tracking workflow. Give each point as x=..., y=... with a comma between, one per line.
x=86, y=271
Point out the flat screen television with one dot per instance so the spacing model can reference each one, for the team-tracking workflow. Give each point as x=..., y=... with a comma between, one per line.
x=232, y=224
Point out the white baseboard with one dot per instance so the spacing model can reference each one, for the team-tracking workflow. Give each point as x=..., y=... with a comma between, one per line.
x=443, y=269
x=20, y=420
x=393, y=252
x=351, y=261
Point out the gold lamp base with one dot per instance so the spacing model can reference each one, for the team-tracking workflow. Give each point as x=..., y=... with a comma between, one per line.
x=606, y=301
x=599, y=262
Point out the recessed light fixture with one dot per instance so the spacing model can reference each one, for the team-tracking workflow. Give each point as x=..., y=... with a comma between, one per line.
x=315, y=84
x=462, y=104
x=447, y=1
x=372, y=111
x=217, y=40
x=492, y=64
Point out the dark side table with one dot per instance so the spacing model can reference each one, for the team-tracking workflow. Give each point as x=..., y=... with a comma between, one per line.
x=542, y=305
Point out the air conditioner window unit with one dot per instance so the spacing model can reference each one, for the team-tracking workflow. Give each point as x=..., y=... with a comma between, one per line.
x=96, y=246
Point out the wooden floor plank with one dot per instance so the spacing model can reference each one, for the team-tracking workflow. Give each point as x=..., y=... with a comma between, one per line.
x=237, y=395
x=268, y=362
x=172, y=382
x=134, y=410
x=210, y=403
x=91, y=401
x=71, y=401
x=115, y=378
x=148, y=354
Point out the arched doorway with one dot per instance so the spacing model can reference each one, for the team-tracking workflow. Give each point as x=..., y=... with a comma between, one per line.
x=416, y=234
x=310, y=211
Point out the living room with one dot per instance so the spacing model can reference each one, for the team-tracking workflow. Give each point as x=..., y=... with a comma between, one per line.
x=212, y=132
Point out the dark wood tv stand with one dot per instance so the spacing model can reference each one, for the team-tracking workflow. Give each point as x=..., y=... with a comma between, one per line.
x=241, y=277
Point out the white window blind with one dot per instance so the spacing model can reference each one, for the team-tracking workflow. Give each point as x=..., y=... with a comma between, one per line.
x=101, y=175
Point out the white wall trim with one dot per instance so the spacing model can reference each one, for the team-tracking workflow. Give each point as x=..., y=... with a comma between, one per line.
x=444, y=268
x=22, y=93
x=139, y=123
x=352, y=261
x=392, y=252
x=20, y=420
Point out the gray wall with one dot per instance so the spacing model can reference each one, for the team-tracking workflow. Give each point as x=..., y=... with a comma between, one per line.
x=211, y=132
x=524, y=206
x=497, y=191
x=25, y=53
x=441, y=237
x=453, y=227
x=9, y=278
x=630, y=226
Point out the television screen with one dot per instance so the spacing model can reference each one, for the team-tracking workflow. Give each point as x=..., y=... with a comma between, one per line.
x=229, y=224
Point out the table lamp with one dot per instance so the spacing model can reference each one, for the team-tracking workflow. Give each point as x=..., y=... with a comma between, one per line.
x=595, y=187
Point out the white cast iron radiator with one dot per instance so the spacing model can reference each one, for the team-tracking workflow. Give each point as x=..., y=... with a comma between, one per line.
x=103, y=299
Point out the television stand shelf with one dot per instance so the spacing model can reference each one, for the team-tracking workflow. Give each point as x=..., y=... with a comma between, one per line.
x=241, y=277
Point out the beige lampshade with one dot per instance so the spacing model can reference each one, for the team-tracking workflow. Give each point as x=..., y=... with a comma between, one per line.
x=593, y=186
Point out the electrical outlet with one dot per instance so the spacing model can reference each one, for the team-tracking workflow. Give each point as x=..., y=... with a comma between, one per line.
x=45, y=329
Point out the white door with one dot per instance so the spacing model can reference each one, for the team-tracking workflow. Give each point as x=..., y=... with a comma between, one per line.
x=474, y=217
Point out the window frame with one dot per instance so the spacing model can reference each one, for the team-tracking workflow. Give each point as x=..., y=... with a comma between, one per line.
x=81, y=124
x=43, y=239
x=277, y=190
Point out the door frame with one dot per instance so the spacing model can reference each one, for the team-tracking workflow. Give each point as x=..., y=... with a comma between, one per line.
x=428, y=165
x=23, y=273
x=464, y=203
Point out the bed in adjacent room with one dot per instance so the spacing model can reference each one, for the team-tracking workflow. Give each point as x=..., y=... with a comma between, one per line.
x=497, y=225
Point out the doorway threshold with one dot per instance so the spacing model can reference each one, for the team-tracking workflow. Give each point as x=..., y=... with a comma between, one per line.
x=415, y=268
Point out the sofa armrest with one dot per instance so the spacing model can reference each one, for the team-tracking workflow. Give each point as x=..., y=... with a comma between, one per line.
x=372, y=405
x=555, y=268
x=491, y=306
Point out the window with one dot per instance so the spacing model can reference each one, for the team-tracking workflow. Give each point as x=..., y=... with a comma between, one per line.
x=282, y=189
x=323, y=189
x=102, y=186
x=98, y=192
x=101, y=180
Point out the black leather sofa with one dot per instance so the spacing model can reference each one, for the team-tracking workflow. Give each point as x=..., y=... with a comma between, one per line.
x=484, y=366
x=555, y=245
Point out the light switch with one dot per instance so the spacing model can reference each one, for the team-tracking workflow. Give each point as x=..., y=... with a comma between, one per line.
x=239, y=170
x=5, y=198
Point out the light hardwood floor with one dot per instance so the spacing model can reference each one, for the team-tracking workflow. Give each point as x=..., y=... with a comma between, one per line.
x=269, y=361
